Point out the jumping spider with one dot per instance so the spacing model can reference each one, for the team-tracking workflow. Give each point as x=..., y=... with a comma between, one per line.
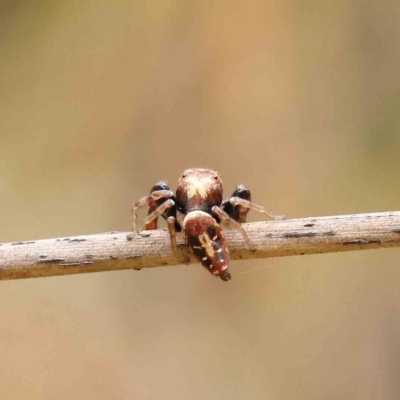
x=199, y=198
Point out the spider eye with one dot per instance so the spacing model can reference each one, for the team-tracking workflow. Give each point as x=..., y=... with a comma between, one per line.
x=184, y=176
x=215, y=178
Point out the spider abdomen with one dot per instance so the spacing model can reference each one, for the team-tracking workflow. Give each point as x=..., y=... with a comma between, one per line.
x=206, y=241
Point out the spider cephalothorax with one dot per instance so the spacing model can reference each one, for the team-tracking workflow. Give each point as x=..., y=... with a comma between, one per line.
x=199, y=189
x=199, y=198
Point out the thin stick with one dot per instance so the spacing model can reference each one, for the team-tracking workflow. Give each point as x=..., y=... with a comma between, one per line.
x=119, y=250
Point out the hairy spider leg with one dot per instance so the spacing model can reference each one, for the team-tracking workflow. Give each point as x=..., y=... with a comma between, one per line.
x=158, y=211
x=153, y=205
x=234, y=224
x=238, y=213
x=239, y=204
x=171, y=221
x=172, y=234
x=154, y=200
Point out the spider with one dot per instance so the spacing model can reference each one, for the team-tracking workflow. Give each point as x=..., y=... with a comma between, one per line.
x=199, y=198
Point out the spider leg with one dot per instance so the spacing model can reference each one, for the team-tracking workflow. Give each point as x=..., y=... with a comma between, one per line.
x=238, y=213
x=233, y=223
x=159, y=193
x=239, y=204
x=158, y=211
x=172, y=234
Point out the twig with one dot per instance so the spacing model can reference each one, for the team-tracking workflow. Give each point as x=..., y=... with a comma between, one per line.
x=119, y=250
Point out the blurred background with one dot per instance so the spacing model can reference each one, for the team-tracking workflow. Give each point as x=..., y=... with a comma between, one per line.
x=298, y=100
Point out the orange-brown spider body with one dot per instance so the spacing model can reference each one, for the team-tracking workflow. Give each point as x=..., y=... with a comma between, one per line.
x=199, y=197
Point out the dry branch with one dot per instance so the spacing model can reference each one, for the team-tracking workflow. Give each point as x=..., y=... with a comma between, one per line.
x=119, y=250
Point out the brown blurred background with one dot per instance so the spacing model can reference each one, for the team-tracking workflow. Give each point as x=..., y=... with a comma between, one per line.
x=298, y=100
